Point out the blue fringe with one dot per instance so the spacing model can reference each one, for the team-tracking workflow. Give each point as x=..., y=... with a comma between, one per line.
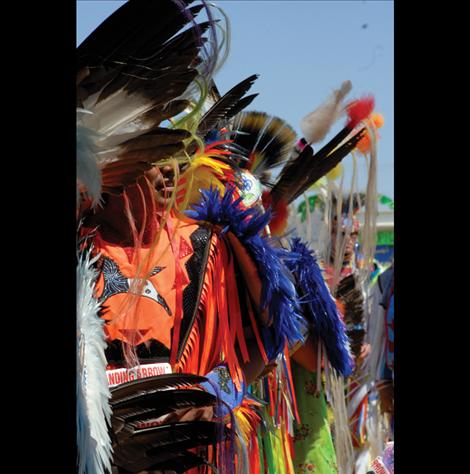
x=278, y=291
x=325, y=319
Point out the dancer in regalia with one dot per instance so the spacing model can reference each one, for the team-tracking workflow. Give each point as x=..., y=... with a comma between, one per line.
x=180, y=295
x=183, y=300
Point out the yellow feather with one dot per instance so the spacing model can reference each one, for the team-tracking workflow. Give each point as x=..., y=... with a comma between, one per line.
x=203, y=172
x=335, y=173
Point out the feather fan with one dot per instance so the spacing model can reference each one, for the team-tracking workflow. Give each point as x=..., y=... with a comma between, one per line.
x=268, y=140
x=160, y=444
x=143, y=435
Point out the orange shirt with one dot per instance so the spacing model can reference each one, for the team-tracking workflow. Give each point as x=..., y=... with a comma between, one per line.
x=136, y=320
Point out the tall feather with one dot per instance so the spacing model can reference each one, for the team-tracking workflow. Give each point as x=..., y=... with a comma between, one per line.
x=318, y=123
x=369, y=230
x=300, y=173
x=359, y=110
x=228, y=105
x=293, y=173
x=93, y=410
x=322, y=165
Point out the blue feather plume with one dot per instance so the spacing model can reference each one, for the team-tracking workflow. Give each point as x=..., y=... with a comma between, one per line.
x=278, y=294
x=323, y=314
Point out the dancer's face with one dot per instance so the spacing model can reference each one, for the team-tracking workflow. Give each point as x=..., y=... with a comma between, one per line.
x=350, y=244
x=163, y=180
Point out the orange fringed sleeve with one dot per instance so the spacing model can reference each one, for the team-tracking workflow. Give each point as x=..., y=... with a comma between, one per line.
x=218, y=328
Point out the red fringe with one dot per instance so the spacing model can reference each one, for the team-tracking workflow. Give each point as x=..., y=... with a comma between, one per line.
x=226, y=333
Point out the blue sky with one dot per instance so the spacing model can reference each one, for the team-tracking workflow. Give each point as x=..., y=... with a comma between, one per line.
x=302, y=51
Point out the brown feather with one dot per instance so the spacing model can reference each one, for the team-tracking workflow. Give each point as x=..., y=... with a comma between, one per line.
x=151, y=155
x=155, y=138
x=172, y=109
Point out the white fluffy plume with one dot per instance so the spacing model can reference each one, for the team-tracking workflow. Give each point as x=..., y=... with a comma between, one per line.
x=317, y=124
x=88, y=171
x=93, y=410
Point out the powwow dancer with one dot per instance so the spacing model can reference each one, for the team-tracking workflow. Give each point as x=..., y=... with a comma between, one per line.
x=169, y=288
x=172, y=280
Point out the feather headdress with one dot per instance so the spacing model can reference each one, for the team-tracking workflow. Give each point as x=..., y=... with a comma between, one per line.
x=142, y=78
x=266, y=140
x=135, y=71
